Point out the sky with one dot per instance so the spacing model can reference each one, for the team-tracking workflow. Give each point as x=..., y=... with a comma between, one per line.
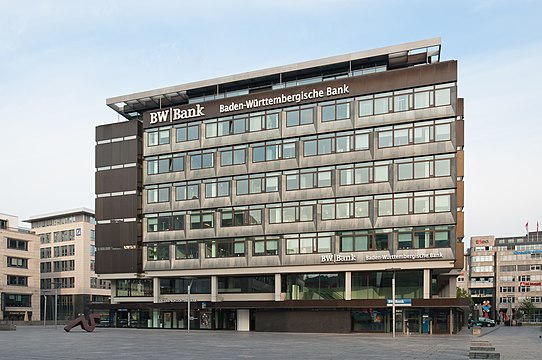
x=60, y=61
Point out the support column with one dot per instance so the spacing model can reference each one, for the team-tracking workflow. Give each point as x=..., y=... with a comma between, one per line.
x=214, y=288
x=278, y=287
x=426, y=283
x=155, y=289
x=348, y=285
x=243, y=320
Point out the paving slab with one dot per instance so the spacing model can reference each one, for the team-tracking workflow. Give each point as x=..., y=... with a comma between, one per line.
x=44, y=342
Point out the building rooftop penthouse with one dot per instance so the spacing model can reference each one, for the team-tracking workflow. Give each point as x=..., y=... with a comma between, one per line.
x=330, y=68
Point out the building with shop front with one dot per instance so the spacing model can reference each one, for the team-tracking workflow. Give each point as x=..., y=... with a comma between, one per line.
x=67, y=260
x=19, y=271
x=506, y=271
x=288, y=199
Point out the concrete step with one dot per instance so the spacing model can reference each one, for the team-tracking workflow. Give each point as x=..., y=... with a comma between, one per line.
x=482, y=348
x=484, y=355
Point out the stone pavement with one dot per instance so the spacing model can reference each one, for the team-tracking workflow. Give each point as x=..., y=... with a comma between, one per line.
x=44, y=342
x=516, y=342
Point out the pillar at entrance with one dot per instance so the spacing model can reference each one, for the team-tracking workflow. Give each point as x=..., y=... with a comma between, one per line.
x=243, y=320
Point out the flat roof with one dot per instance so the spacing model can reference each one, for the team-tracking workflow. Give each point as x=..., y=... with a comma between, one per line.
x=57, y=214
x=180, y=90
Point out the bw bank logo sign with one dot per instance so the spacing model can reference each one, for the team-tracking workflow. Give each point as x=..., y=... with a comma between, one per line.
x=171, y=114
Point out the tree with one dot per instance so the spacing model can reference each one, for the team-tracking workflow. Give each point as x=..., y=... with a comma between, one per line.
x=461, y=293
x=525, y=308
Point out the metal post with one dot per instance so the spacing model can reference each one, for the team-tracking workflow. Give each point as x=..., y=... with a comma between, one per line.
x=393, y=301
x=44, y=309
x=189, y=315
x=56, y=303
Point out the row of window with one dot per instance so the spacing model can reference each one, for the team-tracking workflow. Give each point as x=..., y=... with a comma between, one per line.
x=315, y=145
x=398, y=101
x=17, y=244
x=60, y=283
x=302, y=179
x=331, y=209
x=301, y=286
x=522, y=288
x=310, y=243
x=64, y=265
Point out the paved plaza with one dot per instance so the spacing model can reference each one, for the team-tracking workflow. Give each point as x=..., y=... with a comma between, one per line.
x=44, y=342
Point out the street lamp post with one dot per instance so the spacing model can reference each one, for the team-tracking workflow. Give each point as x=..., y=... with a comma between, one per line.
x=393, y=298
x=44, y=309
x=189, y=315
x=56, y=303
x=510, y=299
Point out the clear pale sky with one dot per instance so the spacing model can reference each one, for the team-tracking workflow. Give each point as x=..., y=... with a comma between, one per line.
x=60, y=60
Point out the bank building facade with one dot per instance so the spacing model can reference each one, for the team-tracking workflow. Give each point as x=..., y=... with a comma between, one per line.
x=320, y=196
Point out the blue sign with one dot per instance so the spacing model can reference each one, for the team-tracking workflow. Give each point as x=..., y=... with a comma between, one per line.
x=78, y=232
x=399, y=302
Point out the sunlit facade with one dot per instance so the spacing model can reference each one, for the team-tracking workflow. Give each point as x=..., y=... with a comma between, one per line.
x=288, y=198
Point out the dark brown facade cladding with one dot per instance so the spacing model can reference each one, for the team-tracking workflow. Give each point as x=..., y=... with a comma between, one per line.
x=372, y=83
x=119, y=157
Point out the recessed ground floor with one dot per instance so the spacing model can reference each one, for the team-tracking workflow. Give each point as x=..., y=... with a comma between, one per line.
x=291, y=316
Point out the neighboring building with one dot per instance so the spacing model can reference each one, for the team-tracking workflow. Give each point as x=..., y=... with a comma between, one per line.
x=505, y=271
x=67, y=253
x=286, y=199
x=19, y=271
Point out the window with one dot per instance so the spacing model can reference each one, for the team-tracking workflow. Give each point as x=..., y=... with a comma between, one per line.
x=17, y=280
x=45, y=267
x=17, y=262
x=217, y=187
x=274, y=150
x=257, y=183
x=64, y=250
x=265, y=245
x=16, y=244
x=158, y=193
x=201, y=160
x=45, y=253
x=186, y=250
x=239, y=124
x=45, y=238
x=418, y=133
x=335, y=143
x=345, y=208
x=233, y=156
x=308, y=178
x=134, y=287
x=187, y=132
x=300, y=116
x=362, y=173
x=241, y=216
x=158, y=136
x=442, y=97
x=17, y=300
x=308, y=243
x=186, y=191
x=291, y=212
x=64, y=265
x=165, y=221
x=338, y=110
x=424, y=167
x=201, y=219
x=157, y=252
x=165, y=163
x=225, y=248
x=246, y=284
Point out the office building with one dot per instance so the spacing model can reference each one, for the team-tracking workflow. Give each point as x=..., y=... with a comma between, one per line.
x=67, y=261
x=19, y=272
x=288, y=199
x=505, y=271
